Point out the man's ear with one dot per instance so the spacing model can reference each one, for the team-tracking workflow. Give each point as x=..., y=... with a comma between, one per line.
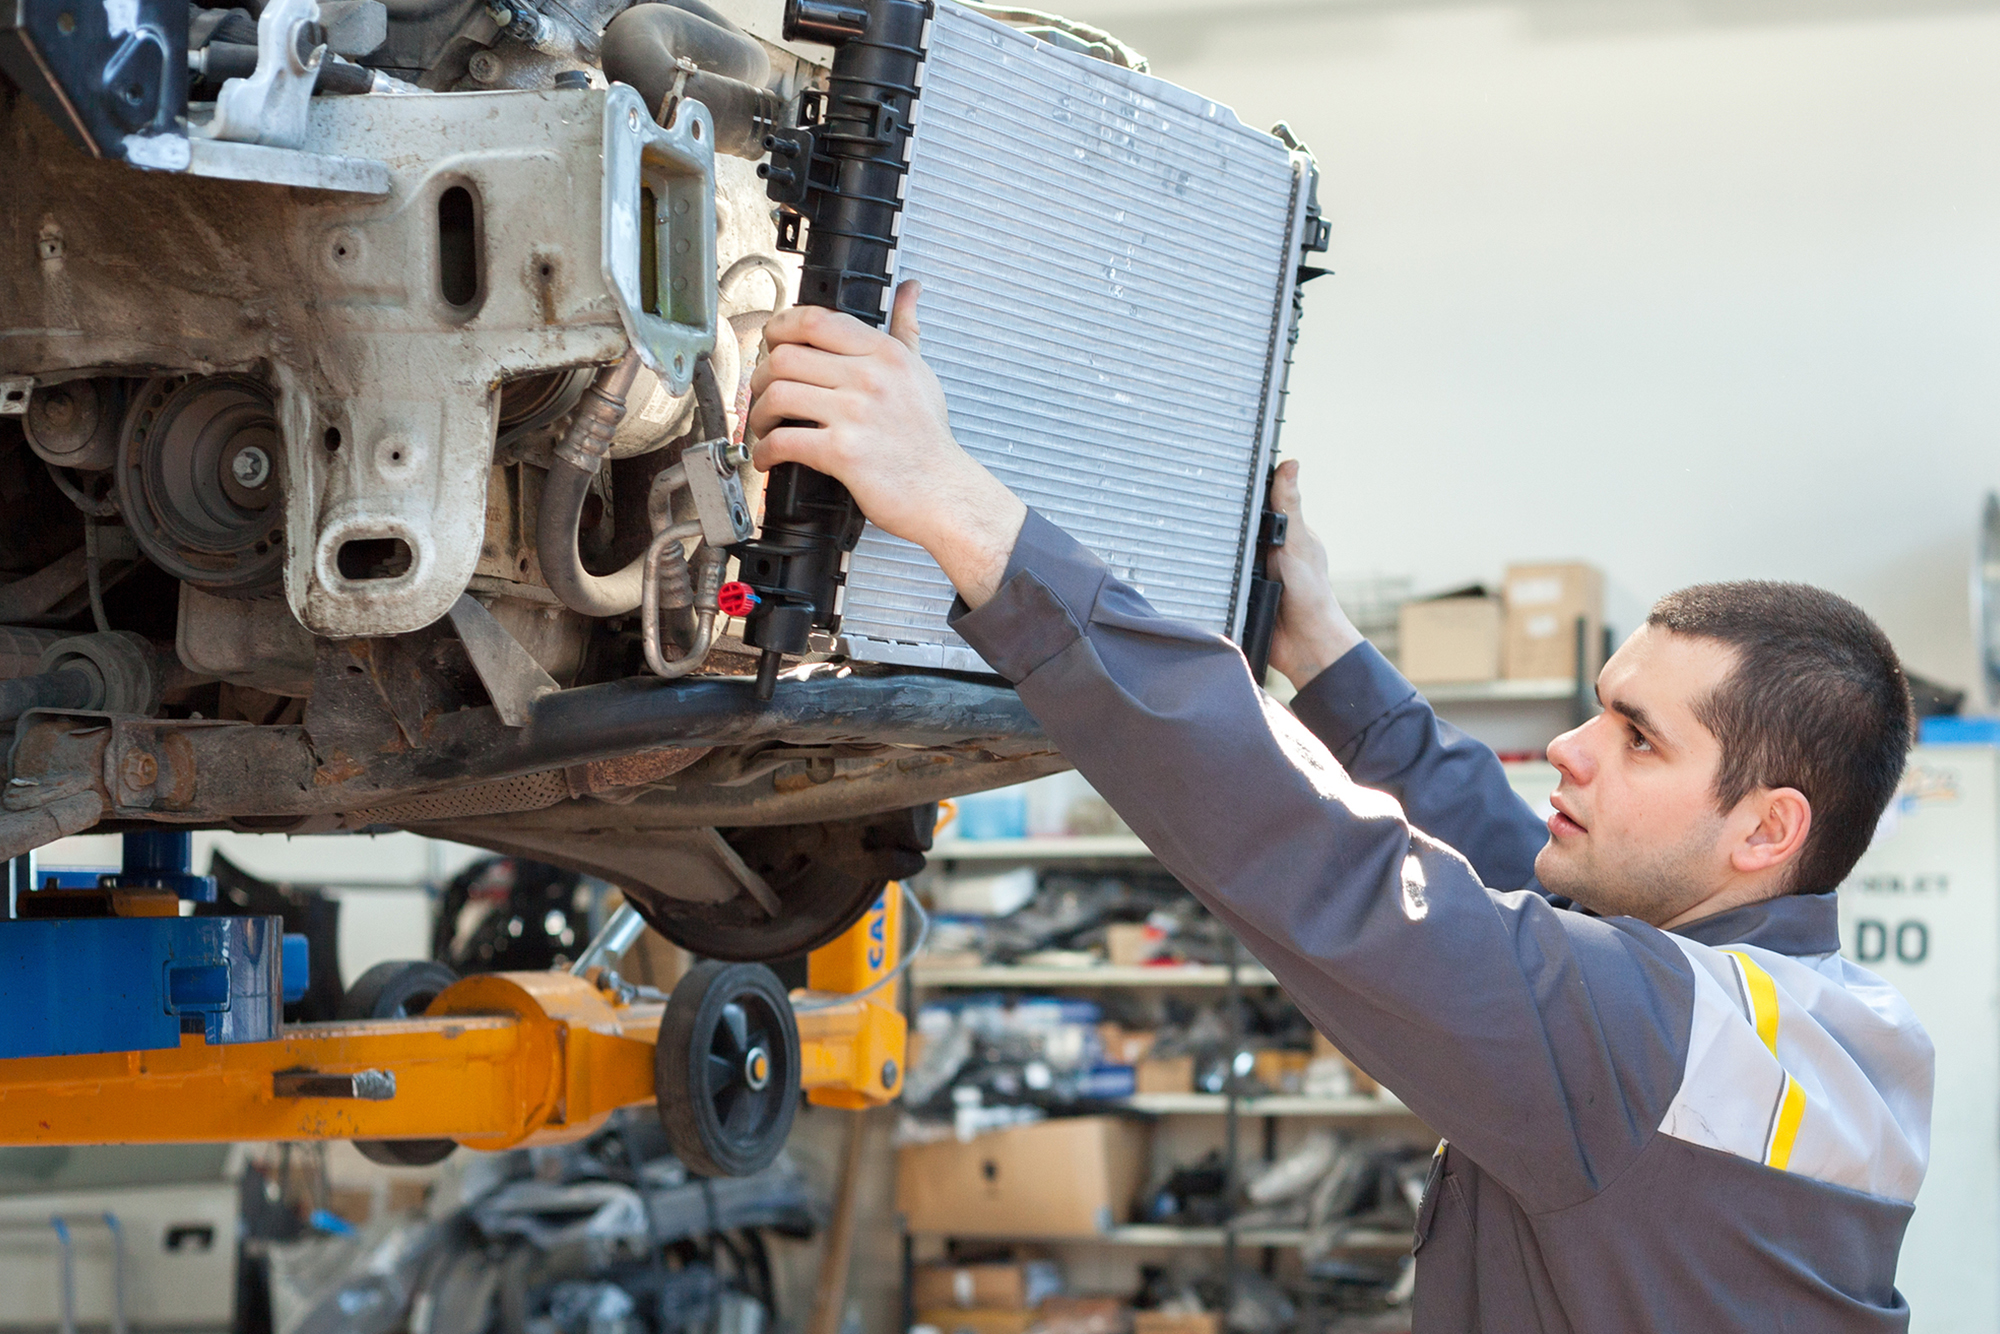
x=1784, y=818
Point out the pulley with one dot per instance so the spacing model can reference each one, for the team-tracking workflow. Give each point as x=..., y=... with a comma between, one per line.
x=198, y=481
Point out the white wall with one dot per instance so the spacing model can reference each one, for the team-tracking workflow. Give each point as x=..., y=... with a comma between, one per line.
x=1693, y=298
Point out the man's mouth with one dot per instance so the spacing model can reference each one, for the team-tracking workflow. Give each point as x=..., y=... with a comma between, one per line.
x=1561, y=823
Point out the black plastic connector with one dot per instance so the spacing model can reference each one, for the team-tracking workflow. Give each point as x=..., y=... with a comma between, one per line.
x=838, y=179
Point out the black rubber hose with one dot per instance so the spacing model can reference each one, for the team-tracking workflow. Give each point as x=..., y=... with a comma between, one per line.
x=641, y=46
x=66, y=689
x=235, y=60
x=690, y=31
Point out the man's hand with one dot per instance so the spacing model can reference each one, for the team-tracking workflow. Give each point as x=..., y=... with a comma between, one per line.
x=1313, y=632
x=860, y=405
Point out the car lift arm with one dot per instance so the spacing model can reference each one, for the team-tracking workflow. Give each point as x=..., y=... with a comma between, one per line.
x=496, y=1061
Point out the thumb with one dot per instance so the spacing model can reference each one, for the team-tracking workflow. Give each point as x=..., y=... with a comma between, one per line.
x=903, y=316
x=1285, y=487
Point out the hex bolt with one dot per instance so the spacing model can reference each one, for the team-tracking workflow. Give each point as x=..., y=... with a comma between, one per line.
x=140, y=771
x=484, y=66
x=251, y=467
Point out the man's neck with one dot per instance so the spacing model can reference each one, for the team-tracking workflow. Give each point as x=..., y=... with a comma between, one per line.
x=1737, y=894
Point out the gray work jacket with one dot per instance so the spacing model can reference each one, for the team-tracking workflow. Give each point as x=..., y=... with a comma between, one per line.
x=1718, y=1128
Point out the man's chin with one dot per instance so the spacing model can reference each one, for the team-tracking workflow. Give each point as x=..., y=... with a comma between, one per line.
x=1555, y=873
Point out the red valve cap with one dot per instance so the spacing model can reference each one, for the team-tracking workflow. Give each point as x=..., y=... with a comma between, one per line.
x=736, y=598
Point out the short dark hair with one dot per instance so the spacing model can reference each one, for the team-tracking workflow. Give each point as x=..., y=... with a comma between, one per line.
x=1817, y=701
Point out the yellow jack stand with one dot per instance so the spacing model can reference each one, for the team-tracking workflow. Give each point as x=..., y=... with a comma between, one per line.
x=851, y=1052
x=496, y=1061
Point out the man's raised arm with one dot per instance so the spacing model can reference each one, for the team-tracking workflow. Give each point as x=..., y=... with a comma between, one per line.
x=1480, y=1009
x=1380, y=729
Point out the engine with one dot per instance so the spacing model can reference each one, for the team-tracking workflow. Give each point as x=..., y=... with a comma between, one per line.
x=372, y=376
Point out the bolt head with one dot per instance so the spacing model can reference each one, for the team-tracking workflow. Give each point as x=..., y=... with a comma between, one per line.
x=251, y=467
x=889, y=1073
x=484, y=66
x=140, y=770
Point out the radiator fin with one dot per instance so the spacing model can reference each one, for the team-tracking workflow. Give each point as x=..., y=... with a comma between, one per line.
x=1105, y=269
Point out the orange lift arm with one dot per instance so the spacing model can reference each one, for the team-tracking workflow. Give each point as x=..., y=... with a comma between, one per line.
x=496, y=1061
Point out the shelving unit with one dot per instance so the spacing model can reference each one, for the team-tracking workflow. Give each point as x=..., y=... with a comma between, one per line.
x=1003, y=977
x=1235, y=977
x=1357, y=1108
x=1554, y=691
x=1153, y=1235
x=1078, y=847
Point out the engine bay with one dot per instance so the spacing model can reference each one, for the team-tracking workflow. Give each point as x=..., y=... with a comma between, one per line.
x=371, y=415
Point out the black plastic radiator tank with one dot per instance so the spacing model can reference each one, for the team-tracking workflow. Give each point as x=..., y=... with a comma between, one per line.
x=838, y=176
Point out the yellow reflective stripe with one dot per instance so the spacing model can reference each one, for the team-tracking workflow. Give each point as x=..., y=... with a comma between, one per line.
x=1763, y=992
x=1791, y=1111
x=1763, y=1000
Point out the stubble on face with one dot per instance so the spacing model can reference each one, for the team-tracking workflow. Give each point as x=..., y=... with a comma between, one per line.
x=1655, y=885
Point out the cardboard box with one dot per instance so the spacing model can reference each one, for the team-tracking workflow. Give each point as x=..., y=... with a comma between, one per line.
x=1172, y=1074
x=1084, y=1315
x=1073, y=1177
x=1544, y=603
x=1131, y=944
x=1281, y=1071
x=996, y=1287
x=1447, y=639
x=951, y=1320
x=1122, y=1046
x=1162, y=1322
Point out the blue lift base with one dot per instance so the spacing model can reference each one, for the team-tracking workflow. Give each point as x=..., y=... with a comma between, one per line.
x=73, y=986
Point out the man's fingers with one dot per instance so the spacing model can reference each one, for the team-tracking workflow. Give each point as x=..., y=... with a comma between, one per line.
x=827, y=330
x=903, y=316
x=789, y=400
x=803, y=363
x=789, y=444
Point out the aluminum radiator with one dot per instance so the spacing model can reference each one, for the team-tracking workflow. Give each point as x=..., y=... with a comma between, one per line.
x=1108, y=264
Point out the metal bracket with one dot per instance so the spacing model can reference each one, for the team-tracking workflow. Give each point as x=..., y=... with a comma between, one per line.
x=14, y=391
x=270, y=106
x=755, y=885
x=225, y=160
x=717, y=488
x=659, y=215
x=509, y=672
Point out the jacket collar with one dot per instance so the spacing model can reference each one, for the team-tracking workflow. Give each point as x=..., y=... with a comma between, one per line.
x=1789, y=924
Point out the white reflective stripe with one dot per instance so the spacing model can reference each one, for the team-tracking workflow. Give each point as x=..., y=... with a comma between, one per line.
x=1811, y=1066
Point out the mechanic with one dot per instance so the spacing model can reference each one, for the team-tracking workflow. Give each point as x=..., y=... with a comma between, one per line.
x=1668, y=1104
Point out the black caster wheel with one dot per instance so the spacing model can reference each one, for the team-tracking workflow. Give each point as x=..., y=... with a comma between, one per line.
x=400, y=989
x=726, y=1070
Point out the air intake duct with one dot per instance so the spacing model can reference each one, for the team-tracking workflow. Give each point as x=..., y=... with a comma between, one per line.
x=838, y=176
x=644, y=46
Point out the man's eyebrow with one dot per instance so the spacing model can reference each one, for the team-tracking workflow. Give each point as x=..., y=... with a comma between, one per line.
x=1631, y=713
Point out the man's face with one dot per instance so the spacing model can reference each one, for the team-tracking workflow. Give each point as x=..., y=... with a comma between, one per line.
x=1636, y=832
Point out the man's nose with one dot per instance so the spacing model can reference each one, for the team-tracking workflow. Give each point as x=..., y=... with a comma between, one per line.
x=1570, y=754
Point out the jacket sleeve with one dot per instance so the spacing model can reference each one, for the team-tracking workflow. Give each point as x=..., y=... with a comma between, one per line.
x=1450, y=786
x=1546, y=1044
